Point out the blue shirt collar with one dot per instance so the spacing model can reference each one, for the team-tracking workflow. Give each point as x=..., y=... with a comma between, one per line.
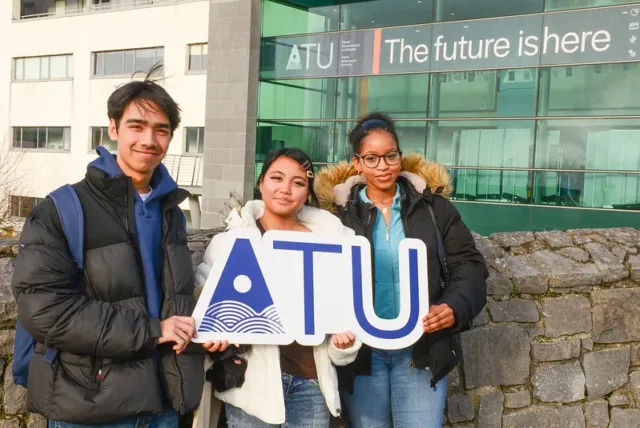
x=396, y=199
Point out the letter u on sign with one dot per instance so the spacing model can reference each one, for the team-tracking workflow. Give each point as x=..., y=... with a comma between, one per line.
x=293, y=286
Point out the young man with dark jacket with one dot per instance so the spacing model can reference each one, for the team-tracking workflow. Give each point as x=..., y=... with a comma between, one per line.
x=123, y=326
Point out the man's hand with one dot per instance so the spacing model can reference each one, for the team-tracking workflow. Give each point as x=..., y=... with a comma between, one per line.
x=439, y=318
x=179, y=330
x=343, y=340
x=216, y=346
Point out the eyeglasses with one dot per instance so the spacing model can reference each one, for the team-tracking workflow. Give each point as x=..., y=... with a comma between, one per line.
x=372, y=160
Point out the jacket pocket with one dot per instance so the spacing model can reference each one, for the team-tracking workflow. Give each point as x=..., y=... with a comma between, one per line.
x=444, y=354
x=77, y=370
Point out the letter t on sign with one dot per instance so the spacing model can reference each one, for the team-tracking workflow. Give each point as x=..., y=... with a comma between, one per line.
x=308, y=249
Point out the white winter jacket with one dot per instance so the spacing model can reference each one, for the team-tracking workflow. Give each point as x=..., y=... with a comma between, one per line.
x=262, y=395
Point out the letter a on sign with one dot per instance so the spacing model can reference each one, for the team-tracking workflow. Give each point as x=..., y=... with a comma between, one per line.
x=298, y=286
x=294, y=63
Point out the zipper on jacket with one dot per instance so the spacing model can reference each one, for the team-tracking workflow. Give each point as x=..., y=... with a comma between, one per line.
x=433, y=364
x=172, y=293
x=97, y=373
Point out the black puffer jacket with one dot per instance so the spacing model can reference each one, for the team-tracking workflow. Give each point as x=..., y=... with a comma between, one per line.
x=106, y=367
x=338, y=188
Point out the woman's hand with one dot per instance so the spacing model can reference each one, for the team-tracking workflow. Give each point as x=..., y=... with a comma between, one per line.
x=343, y=340
x=218, y=346
x=439, y=318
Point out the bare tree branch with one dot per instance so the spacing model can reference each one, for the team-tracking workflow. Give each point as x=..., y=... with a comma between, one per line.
x=12, y=183
x=234, y=202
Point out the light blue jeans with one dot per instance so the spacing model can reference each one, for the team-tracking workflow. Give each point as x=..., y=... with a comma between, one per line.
x=168, y=420
x=396, y=395
x=304, y=405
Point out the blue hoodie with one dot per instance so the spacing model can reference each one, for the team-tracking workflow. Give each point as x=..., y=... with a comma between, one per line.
x=148, y=221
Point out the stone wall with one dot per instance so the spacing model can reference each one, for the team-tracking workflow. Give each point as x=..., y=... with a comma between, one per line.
x=558, y=344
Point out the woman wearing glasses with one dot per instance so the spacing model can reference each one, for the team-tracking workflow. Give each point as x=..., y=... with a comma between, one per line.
x=387, y=198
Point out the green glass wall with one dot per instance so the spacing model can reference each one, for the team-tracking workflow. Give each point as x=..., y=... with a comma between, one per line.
x=528, y=149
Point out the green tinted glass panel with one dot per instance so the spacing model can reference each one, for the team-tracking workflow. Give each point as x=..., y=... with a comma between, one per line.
x=280, y=19
x=454, y=10
x=314, y=138
x=297, y=99
x=482, y=143
x=487, y=218
x=590, y=90
x=502, y=93
x=402, y=96
x=385, y=13
x=605, y=144
x=581, y=4
x=588, y=190
x=491, y=185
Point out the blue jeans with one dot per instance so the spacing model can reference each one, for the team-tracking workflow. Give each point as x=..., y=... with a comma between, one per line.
x=304, y=405
x=396, y=395
x=168, y=420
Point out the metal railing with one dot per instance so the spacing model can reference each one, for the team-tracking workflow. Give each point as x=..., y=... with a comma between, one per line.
x=186, y=170
x=106, y=7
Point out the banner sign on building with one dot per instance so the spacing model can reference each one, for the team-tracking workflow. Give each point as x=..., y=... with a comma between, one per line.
x=295, y=286
x=577, y=37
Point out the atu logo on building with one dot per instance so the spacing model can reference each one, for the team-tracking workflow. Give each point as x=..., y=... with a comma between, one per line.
x=292, y=286
x=311, y=49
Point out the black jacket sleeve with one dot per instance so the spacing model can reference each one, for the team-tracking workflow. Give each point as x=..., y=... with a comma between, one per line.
x=53, y=308
x=467, y=292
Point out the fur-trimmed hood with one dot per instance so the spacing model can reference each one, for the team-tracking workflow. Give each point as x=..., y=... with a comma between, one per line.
x=333, y=184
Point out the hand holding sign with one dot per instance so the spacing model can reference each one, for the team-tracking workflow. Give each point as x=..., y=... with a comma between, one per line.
x=343, y=340
x=178, y=330
x=439, y=318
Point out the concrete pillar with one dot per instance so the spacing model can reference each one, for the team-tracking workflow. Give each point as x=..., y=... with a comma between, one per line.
x=194, y=208
x=232, y=101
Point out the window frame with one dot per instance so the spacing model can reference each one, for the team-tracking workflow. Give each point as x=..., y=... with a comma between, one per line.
x=20, y=202
x=203, y=67
x=201, y=131
x=16, y=60
x=94, y=58
x=103, y=130
x=38, y=130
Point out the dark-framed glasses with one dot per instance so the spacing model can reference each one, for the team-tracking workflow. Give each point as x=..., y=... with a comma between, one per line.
x=372, y=160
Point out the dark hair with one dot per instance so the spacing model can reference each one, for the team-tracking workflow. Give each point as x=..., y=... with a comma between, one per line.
x=374, y=121
x=143, y=93
x=305, y=162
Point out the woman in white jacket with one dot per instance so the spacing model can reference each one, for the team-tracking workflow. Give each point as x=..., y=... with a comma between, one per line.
x=293, y=385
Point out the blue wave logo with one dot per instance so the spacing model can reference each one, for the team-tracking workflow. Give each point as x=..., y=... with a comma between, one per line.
x=241, y=302
x=237, y=317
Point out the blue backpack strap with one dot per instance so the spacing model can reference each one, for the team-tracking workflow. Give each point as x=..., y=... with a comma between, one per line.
x=72, y=219
x=71, y=216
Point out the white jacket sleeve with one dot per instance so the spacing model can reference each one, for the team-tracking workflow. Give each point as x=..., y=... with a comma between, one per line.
x=342, y=357
x=210, y=255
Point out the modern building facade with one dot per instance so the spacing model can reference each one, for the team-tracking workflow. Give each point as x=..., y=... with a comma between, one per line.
x=531, y=105
x=59, y=62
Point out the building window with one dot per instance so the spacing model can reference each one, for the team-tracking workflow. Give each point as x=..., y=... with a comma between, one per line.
x=194, y=141
x=42, y=138
x=126, y=62
x=21, y=206
x=198, y=57
x=42, y=8
x=43, y=67
x=100, y=137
